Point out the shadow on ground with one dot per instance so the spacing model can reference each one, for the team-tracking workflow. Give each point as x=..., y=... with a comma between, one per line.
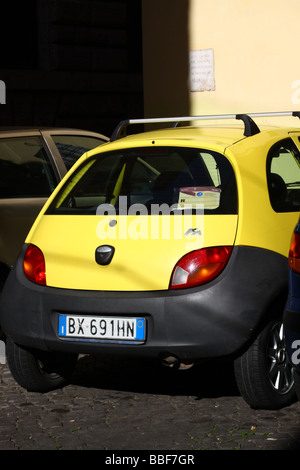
x=209, y=380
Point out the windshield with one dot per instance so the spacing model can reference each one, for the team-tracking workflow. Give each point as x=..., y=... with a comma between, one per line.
x=150, y=177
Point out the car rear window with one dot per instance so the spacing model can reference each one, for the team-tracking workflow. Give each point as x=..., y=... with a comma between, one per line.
x=150, y=177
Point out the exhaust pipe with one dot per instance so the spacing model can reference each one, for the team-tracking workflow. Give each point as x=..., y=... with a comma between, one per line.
x=172, y=361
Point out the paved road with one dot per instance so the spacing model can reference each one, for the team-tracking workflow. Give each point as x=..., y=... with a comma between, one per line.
x=134, y=406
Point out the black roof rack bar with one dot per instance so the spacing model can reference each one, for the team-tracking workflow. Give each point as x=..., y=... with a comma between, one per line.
x=250, y=127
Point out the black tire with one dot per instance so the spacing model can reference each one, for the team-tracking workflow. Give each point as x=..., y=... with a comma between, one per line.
x=263, y=374
x=39, y=371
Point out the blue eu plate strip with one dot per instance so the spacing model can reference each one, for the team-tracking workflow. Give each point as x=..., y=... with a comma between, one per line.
x=140, y=329
x=62, y=325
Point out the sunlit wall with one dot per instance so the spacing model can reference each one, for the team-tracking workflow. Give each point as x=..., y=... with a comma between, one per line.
x=221, y=56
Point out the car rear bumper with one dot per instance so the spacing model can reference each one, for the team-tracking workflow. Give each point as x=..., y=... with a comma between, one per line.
x=214, y=320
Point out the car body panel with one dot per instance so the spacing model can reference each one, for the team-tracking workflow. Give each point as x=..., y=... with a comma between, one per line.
x=70, y=259
x=16, y=218
x=259, y=225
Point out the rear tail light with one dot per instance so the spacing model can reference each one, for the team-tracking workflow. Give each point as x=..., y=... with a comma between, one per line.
x=34, y=265
x=294, y=254
x=200, y=267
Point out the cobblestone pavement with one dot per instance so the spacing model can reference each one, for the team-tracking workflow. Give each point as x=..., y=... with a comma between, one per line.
x=134, y=406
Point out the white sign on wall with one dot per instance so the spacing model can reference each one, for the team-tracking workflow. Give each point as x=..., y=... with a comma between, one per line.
x=202, y=70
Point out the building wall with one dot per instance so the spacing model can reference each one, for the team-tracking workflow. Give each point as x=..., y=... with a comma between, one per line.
x=165, y=60
x=75, y=63
x=233, y=56
x=255, y=44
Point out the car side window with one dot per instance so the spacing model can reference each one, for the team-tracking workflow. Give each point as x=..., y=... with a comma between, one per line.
x=71, y=147
x=25, y=169
x=283, y=176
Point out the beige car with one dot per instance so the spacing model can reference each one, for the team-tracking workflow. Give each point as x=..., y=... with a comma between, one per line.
x=32, y=162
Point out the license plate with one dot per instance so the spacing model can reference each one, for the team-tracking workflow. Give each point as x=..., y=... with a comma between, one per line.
x=102, y=328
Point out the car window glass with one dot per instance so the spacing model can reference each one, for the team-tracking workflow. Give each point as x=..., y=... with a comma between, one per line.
x=25, y=169
x=283, y=174
x=71, y=147
x=182, y=177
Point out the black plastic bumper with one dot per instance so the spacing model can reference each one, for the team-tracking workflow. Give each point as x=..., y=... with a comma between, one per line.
x=214, y=320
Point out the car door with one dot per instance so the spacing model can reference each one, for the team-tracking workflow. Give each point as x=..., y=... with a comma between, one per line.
x=32, y=162
x=27, y=178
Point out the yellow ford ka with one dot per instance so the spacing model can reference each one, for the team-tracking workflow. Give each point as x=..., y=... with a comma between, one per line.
x=168, y=244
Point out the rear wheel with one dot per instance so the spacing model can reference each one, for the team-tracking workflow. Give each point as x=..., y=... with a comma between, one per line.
x=263, y=374
x=39, y=371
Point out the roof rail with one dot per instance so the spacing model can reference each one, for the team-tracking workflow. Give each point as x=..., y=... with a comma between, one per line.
x=250, y=126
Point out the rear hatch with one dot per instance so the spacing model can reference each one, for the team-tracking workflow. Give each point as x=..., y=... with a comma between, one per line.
x=125, y=218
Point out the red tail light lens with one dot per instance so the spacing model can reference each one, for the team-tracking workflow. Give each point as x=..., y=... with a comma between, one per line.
x=200, y=267
x=34, y=265
x=294, y=254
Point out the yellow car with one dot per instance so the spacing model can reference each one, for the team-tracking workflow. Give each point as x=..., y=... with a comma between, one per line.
x=169, y=244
